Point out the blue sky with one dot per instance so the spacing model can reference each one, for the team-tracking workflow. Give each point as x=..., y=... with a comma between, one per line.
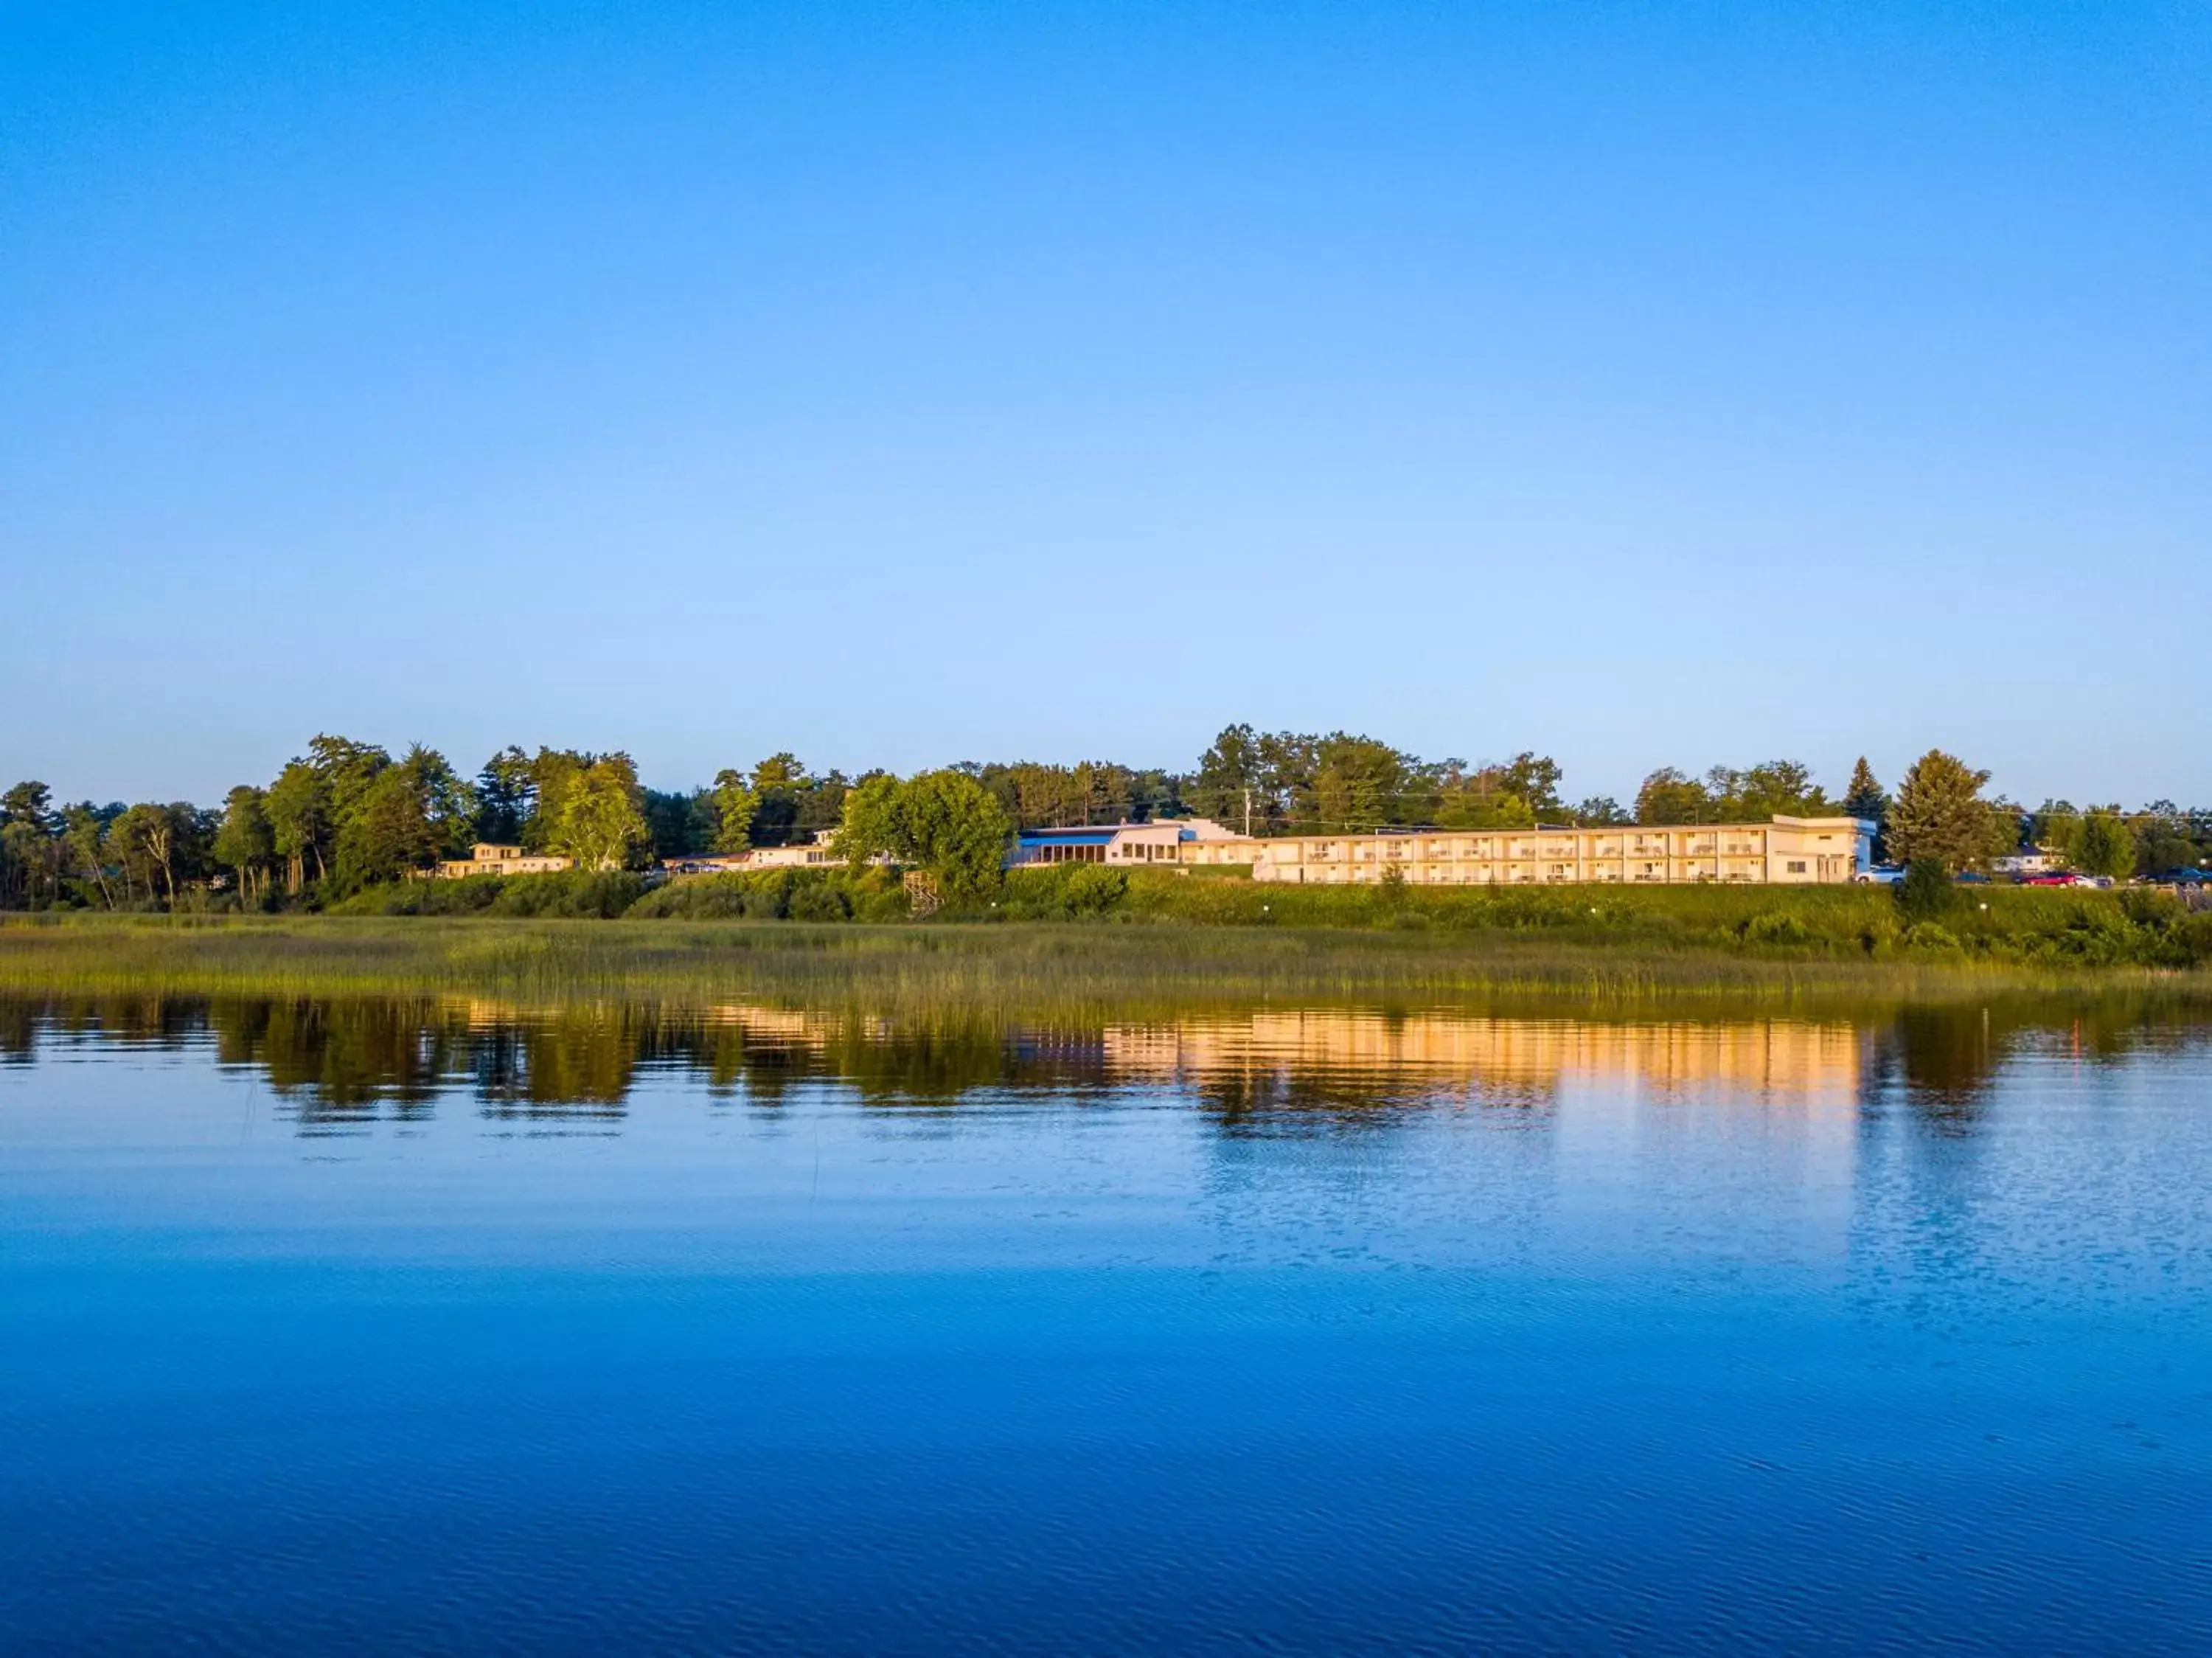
x=903, y=384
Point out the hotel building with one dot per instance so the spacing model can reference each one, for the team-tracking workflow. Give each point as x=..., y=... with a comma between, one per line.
x=1784, y=852
x=490, y=859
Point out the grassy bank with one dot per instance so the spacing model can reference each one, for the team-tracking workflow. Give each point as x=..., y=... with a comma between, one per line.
x=1040, y=969
x=2051, y=930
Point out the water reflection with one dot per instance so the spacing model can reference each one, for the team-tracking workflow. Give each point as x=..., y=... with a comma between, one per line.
x=344, y=1063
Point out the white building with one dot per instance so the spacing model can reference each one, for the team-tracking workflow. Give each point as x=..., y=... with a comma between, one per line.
x=1124, y=844
x=1785, y=851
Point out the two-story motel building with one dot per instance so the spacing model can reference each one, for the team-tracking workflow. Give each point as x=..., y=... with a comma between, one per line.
x=490, y=858
x=1784, y=850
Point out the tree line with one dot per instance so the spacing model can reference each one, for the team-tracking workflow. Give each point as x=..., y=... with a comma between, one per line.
x=347, y=814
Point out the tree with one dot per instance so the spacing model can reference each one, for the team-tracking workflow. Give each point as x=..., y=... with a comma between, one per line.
x=821, y=804
x=405, y=817
x=507, y=793
x=951, y=826
x=1771, y=788
x=872, y=820
x=1598, y=812
x=2106, y=845
x=1534, y=778
x=2162, y=839
x=1155, y=794
x=84, y=828
x=681, y=823
x=551, y=774
x=1036, y=794
x=143, y=840
x=599, y=824
x=1670, y=796
x=30, y=849
x=777, y=783
x=1939, y=815
x=1484, y=798
x=347, y=768
x=1358, y=785
x=945, y=822
x=734, y=804
x=2009, y=826
x=1863, y=798
x=246, y=842
x=298, y=807
x=1229, y=785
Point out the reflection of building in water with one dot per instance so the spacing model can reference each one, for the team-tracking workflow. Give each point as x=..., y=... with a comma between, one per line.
x=562, y=1062
x=1628, y=1111
x=798, y=1027
x=1775, y=1058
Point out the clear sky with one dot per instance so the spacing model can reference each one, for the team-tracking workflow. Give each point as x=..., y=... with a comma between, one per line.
x=900, y=384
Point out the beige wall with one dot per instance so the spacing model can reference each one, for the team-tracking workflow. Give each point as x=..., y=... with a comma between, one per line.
x=495, y=860
x=1787, y=850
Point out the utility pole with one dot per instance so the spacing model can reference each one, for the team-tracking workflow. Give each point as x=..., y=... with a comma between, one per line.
x=1248, y=811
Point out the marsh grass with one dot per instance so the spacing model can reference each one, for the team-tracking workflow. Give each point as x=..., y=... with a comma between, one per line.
x=1033, y=970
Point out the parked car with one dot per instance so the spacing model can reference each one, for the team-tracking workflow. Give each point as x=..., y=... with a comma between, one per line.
x=1880, y=874
x=2046, y=881
x=1970, y=878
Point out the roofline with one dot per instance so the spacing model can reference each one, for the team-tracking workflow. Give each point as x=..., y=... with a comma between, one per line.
x=1396, y=831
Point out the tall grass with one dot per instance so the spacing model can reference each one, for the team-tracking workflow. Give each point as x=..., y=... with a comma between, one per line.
x=1038, y=970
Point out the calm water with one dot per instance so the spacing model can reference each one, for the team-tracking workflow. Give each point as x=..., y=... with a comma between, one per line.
x=432, y=1326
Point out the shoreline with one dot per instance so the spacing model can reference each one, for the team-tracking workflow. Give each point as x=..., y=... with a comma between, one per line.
x=1043, y=968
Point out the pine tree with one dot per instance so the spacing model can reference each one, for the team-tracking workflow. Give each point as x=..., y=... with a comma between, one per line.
x=1864, y=799
x=1939, y=814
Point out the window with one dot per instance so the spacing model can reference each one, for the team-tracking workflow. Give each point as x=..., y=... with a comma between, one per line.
x=1797, y=866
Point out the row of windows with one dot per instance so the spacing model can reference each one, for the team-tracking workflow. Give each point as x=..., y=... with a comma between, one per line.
x=1612, y=857
x=1415, y=850
x=1529, y=878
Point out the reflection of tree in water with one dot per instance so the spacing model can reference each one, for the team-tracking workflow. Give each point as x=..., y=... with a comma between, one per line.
x=18, y=1032
x=1272, y=1100
x=343, y=1062
x=158, y=1022
x=579, y=1063
x=1947, y=1058
x=939, y=1062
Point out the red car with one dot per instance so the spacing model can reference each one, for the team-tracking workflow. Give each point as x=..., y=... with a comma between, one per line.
x=2046, y=881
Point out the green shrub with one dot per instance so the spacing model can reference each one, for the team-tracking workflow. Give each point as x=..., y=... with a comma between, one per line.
x=573, y=893
x=818, y=900
x=1776, y=927
x=1932, y=939
x=1091, y=889
x=2146, y=906
x=1877, y=934
x=695, y=897
x=1065, y=892
x=1926, y=892
x=2192, y=938
x=835, y=894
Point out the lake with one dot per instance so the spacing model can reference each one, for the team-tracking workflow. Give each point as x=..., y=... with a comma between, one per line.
x=438, y=1325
